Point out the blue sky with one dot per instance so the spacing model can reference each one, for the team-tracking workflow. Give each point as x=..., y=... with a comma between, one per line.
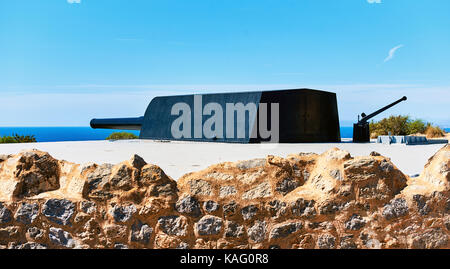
x=63, y=63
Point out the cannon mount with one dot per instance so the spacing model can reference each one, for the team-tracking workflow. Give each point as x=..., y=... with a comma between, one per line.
x=361, y=129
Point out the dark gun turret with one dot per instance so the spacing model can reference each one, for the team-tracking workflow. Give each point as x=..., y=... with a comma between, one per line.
x=284, y=116
x=361, y=130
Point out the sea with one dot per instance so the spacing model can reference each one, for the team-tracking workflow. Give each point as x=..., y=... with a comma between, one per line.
x=56, y=134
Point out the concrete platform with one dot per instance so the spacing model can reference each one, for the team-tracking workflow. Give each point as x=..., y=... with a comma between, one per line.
x=177, y=158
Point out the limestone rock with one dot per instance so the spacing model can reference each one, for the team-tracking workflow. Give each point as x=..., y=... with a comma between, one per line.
x=337, y=154
x=397, y=208
x=276, y=208
x=209, y=225
x=188, y=205
x=151, y=174
x=27, y=213
x=121, y=178
x=200, y=187
x=285, y=229
x=249, y=212
x=59, y=211
x=61, y=238
x=99, y=177
x=137, y=161
x=123, y=213
x=141, y=233
x=326, y=241
x=173, y=225
x=257, y=233
x=35, y=233
x=226, y=191
x=355, y=223
x=286, y=185
x=210, y=206
x=5, y=214
x=88, y=207
x=229, y=209
x=132, y=180
x=303, y=207
x=233, y=229
x=35, y=172
x=262, y=190
x=430, y=239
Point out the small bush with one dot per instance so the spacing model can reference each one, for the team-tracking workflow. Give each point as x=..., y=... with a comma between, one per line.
x=121, y=135
x=403, y=125
x=417, y=127
x=434, y=131
x=18, y=139
x=396, y=125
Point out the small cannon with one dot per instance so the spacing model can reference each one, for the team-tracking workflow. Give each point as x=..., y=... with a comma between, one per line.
x=361, y=130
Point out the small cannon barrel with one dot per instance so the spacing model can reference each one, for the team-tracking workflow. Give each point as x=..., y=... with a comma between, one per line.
x=118, y=123
x=366, y=118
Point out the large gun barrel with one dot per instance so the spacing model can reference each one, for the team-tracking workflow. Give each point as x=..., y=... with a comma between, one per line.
x=118, y=123
x=368, y=117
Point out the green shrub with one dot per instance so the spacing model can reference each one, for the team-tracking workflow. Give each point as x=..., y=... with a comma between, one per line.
x=121, y=135
x=403, y=125
x=396, y=125
x=417, y=127
x=17, y=139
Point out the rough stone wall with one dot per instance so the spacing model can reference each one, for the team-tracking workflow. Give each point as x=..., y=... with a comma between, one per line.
x=332, y=200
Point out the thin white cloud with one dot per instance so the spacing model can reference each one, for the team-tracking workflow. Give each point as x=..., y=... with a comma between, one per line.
x=74, y=1
x=374, y=1
x=392, y=53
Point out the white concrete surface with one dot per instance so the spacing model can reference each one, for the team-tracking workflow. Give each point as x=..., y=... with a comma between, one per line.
x=177, y=158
